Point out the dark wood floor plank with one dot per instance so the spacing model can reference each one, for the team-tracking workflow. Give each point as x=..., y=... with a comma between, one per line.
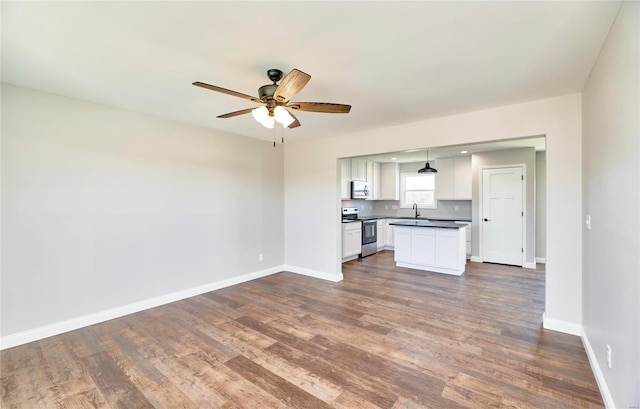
x=119, y=391
x=383, y=338
x=280, y=388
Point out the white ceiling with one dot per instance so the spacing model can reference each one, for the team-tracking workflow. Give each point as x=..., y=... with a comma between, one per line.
x=394, y=62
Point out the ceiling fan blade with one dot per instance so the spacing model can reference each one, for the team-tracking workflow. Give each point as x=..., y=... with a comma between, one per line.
x=291, y=84
x=236, y=113
x=295, y=123
x=226, y=91
x=325, y=107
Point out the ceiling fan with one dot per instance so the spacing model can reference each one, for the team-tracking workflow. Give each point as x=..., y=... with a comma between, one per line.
x=277, y=98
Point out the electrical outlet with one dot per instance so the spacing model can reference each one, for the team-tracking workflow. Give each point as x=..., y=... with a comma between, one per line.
x=608, y=356
x=386, y=207
x=457, y=208
x=370, y=207
x=394, y=207
x=260, y=257
x=588, y=222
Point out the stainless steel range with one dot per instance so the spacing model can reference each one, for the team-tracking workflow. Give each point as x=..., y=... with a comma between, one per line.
x=369, y=230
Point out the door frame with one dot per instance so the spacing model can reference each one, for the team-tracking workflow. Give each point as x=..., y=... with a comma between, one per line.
x=524, y=209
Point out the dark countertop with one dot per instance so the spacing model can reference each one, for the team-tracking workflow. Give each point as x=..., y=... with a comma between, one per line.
x=422, y=223
x=423, y=219
x=434, y=219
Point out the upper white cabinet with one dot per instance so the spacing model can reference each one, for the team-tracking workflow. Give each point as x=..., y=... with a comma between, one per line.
x=453, y=181
x=365, y=170
x=389, y=181
x=375, y=185
x=359, y=169
x=345, y=179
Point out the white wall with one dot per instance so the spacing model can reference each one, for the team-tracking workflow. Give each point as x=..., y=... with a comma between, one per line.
x=102, y=208
x=611, y=166
x=525, y=156
x=312, y=177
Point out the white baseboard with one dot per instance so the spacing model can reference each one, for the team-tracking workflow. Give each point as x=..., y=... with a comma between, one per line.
x=313, y=273
x=46, y=331
x=476, y=259
x=541, y=260
x=529, y=265
x=597, y=372
x=567, y=327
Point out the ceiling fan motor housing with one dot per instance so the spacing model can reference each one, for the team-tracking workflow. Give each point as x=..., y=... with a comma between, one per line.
x=266, y=92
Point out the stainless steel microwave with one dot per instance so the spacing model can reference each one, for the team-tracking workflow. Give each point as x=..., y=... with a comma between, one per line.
x=359, y=189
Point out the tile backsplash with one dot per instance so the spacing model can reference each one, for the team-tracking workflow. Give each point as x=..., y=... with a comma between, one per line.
x=446, y=209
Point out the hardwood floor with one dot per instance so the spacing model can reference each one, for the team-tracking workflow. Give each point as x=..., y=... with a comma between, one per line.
x=385, y=337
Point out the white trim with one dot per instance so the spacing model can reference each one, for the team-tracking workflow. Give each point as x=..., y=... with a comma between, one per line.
x=529, y=265
x=430, y=268
x=476, y=259
x=597, y=372
x=541, y=260
x=567, y=327
x=313, y=273
x=46, y=331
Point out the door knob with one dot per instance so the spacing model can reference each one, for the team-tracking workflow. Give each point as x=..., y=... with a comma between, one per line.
x=486, y=220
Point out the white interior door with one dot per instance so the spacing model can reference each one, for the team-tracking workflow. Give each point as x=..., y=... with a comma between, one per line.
x=502, y=215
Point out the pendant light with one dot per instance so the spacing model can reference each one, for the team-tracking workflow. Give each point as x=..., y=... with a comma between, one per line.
x=427, y=168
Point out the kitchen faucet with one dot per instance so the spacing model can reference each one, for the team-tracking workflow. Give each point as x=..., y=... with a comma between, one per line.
x=415, y=207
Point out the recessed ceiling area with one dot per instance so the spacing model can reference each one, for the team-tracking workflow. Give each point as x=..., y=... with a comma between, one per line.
x=394, y=62
x=420, y=155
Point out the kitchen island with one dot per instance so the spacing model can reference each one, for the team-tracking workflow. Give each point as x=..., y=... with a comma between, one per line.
x=430, y=246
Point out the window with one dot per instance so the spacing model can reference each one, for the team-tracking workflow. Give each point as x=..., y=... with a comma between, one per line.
x=418, y=188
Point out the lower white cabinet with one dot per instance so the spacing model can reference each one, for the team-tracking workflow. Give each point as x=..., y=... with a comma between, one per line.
x=390, y=233
x=433, y=249
x=382, y=233
x=351, y=240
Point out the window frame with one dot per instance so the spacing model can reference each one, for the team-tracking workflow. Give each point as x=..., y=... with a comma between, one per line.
x=403, y=190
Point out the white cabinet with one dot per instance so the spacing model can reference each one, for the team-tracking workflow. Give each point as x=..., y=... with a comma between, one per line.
x=374, y=185
x=453, y=181
x=403, y=247
x=390, y=233
x=359, y=169
x=382, y=233
x=432, y=249
x=369, y=173
x=389, y=181
x=365, y=171
x=345, y=179
x=448, y=248
x=462, y=177
x=423, y=239
x=351, y=240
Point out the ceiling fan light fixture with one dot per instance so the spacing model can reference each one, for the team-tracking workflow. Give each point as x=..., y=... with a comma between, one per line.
x=282, y=116
x=260, y=114
x=268, y=122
